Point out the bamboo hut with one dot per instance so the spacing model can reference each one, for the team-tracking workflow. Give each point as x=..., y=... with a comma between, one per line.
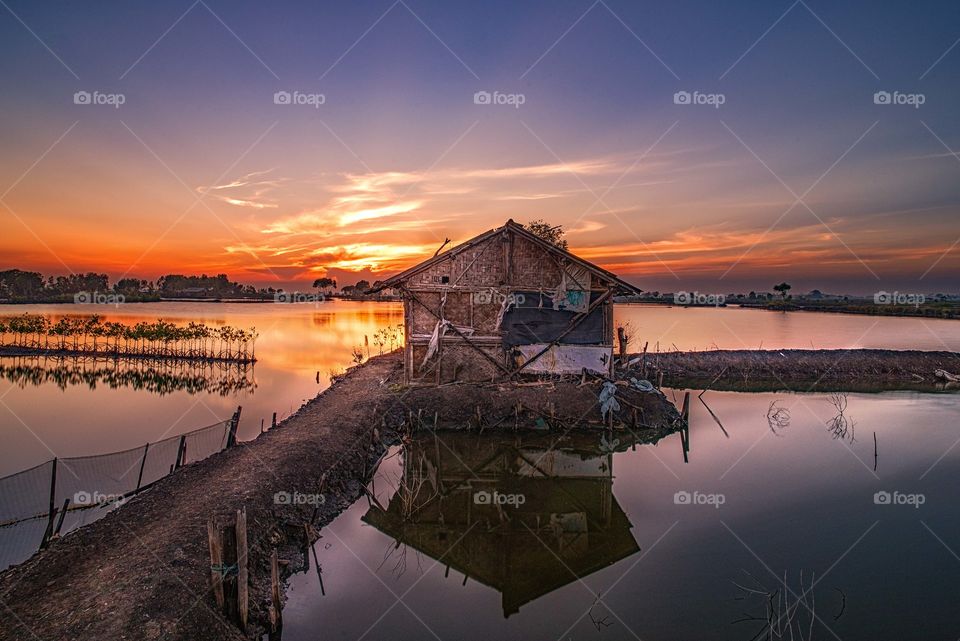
x=503, y=303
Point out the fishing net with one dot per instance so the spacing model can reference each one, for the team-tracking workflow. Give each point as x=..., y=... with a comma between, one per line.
x=90, y=481
x=25, y=494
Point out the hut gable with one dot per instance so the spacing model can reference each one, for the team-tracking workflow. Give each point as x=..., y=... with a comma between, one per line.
x=503, y=303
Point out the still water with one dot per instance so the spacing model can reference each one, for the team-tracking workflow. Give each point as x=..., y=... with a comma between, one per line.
x=634, y=543
x=41, y=418
x=787, y=529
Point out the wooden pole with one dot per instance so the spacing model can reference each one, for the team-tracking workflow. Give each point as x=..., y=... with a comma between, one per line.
x=234, y=423
x=273, y=422
x=230, y=564
x=216, y=562
x=51, y=510
x=63, y=513
x=181, y=451
x=143, y=462
x=242, y=571
x=276, y=618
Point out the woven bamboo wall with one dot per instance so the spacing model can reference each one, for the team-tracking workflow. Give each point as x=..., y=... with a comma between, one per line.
x=474, y=281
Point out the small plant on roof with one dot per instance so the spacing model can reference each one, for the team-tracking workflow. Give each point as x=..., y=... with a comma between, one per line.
x=551, y=233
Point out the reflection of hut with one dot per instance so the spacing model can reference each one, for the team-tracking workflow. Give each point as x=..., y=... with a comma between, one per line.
x=504, y=300
x=566, y=525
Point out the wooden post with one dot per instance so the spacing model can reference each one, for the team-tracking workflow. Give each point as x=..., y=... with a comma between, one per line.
x=234, y=423
x=216, y=562
x=181, y=452
x=143, y=462
x=242, y=571
x=273, y=423
x=63, y=513
x=231, y=607
x=52, y=510
x=276, y=618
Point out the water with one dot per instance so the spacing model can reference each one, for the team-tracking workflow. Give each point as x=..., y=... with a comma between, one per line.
x=638, y=544
x=799, y=499
x=298, y=341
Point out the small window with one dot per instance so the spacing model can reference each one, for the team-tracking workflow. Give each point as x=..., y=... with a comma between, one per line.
x=444, y=279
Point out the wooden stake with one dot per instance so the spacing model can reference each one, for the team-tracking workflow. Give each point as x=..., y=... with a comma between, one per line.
x=276, y=618
x=63, y=513
x=52, y=510
x=216, y=562
x=181, y=452
x=142, y=463
x=242, y=571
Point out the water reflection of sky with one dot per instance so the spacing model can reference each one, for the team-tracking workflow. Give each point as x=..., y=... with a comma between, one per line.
x=799, y=501
x=296, y=342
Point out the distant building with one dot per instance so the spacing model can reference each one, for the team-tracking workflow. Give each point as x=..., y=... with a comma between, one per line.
x=502, y=302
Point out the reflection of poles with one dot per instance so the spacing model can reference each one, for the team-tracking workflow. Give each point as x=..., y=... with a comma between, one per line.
x=685, y=427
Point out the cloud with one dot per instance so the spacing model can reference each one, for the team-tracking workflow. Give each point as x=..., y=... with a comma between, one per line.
x=248, y=190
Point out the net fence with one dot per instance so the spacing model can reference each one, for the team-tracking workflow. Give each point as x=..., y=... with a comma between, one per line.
x=83, y=482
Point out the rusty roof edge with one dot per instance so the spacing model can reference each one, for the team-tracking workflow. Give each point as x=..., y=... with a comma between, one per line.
x=517, y=228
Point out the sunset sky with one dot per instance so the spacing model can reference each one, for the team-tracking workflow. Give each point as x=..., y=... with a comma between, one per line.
x=797, y=176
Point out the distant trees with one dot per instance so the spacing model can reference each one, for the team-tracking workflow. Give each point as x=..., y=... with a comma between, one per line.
x=21, y=286
x=782, y=289
x=325, y=283
x=203, y=286
x=18, y=284
x=550, y=233
x=130, y=285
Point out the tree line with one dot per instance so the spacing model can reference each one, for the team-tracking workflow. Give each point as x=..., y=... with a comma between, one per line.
x=17, y=285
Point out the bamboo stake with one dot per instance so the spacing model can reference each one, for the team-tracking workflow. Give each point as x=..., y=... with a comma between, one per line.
x=242, y=571
x=216, y=562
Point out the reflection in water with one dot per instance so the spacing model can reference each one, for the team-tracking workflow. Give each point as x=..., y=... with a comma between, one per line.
x=783, y=612
x=157, y=376
x=514, y=513
x=839, y=425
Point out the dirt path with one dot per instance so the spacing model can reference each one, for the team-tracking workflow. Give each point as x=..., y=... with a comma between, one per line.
x=854, y=370
x=142, y=572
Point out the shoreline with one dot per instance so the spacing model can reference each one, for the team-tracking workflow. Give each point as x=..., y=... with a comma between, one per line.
x=826, y=370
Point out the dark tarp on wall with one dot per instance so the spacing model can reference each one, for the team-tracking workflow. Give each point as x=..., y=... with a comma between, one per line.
x=528, y=323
